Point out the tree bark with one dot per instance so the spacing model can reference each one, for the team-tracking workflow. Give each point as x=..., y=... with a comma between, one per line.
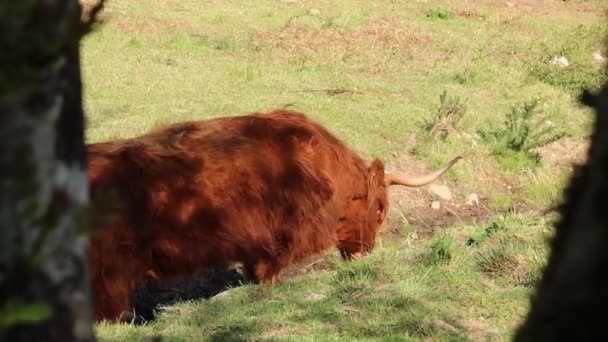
x=574, y=284
x=44, y=280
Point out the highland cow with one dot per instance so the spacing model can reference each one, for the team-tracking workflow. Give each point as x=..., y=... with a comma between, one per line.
x=266, y=190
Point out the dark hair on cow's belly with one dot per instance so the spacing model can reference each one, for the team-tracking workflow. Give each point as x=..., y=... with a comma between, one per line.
x=151, y=297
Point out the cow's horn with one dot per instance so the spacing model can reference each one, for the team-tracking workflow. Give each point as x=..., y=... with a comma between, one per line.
x=395, y=179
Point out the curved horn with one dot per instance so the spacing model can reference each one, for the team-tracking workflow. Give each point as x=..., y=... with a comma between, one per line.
x=395, y=179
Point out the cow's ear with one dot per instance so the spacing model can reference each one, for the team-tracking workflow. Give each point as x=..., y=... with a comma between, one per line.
x=375, y=175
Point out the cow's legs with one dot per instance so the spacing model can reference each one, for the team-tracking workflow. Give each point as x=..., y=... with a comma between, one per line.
x=267, y=272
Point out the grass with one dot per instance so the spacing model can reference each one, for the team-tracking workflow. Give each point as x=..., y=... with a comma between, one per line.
x=471, y=293
x=580, y=73
x=439, y=14
x=441, y=250
x=522, y=131
x=393, y=79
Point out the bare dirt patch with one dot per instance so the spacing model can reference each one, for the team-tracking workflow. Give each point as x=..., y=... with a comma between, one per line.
x=427, y=220
x=412, y=206
x=562, y=154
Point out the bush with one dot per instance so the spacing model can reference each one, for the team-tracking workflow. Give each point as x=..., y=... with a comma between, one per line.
x=446, y=116
x=441, y=250
x=481, y=234
x=439, y=14
x=574, y=78
x=522, y=131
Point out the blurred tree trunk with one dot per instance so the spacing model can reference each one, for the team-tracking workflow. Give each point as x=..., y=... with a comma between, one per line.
x=574, y=283
x=44, y=280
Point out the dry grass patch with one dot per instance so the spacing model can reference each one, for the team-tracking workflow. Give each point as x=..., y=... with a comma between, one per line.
x=542, y=7
x=471, y=14
x=151, y=21
x=150, y=25
x=390, y=33
x=480, y=330
x=284, y=331
x=508, y=258
x=562, y=154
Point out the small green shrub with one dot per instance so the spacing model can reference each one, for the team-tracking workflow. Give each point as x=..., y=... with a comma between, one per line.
x=575, y=78
x=446, y=116
x=439, y=14
x=441, y=250
x=522, y=131
x=481, y=234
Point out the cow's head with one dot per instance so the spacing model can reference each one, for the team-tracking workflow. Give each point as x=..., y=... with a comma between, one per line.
x=365, y=214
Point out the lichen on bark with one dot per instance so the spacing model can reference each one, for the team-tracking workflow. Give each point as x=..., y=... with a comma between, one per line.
x=43, y=184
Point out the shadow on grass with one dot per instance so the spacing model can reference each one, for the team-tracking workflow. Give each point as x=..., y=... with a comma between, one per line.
x=357, y=302
x=290, y=311
x=396, y=317
x=233, y=332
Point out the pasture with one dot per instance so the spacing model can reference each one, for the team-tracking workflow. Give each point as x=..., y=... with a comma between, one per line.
x=413, y=82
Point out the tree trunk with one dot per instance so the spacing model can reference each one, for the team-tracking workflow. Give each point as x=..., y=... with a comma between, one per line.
x=44, y=280
x=574, y=285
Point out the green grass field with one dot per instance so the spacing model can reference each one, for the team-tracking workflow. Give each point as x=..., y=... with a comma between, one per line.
x=413, y=82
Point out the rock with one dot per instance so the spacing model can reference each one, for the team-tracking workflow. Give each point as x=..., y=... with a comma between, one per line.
x=598, y=58
x=560, y=61
x=435, y=205
x=472, y=199
x=314, y=11
x=440, y=191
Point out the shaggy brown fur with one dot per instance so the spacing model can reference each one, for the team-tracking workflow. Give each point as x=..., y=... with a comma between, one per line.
x=266, y=190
